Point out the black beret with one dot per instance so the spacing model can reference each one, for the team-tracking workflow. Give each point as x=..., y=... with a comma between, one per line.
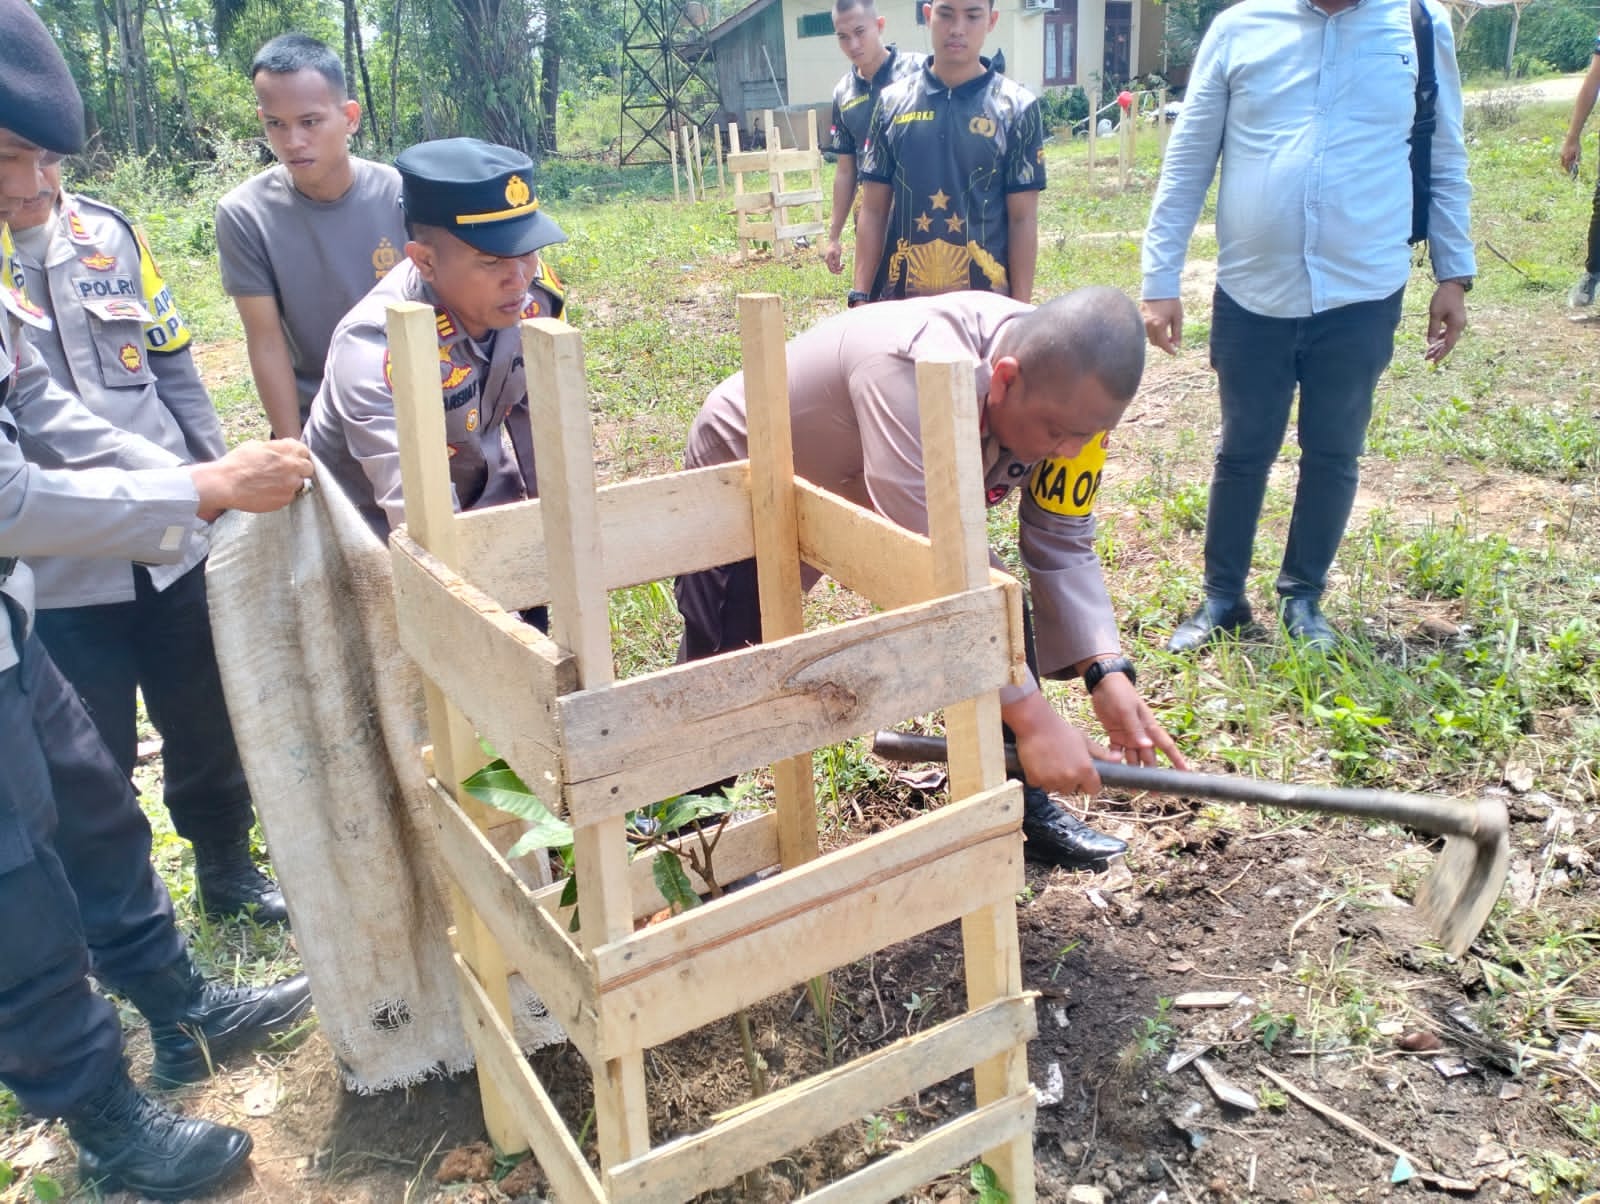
x=38, y=100
x=480, y=192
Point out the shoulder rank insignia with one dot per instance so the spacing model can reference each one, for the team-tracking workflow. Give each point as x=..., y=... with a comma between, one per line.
x=76, y=230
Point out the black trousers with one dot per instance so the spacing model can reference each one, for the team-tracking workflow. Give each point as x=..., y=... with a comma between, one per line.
x=78, y=895
x=159, y=643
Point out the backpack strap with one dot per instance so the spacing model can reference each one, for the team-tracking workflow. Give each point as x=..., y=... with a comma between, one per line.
x=1422, y=125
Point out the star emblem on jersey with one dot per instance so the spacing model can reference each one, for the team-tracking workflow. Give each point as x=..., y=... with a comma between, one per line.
x=940, y=201
x=130, y=358
x=517, y=191
x=953, y=223
x=924, y=222
x=982, y=125
x=98, y=262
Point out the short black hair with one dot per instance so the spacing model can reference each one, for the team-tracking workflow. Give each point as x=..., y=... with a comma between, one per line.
x=1095, y=331
x=291, y=52
x=841, y=7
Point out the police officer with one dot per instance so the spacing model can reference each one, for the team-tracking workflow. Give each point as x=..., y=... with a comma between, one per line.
x=116, y=340
x=474, y=230
x=77, y=891
x=1052, y=381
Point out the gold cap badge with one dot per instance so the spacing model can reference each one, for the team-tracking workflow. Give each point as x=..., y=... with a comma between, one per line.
x=517, y=191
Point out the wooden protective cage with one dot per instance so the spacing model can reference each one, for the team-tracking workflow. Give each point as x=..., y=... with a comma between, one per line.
x=766, y=212
x=595, y=747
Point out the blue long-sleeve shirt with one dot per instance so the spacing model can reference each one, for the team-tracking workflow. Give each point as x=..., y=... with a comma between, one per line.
x=1309, y=115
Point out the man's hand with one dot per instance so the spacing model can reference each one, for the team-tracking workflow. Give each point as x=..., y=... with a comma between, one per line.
x=259, y=477
x=1055, y=755
x=1163, y=323
x=1132, y=730
x=833, y=256
x=1447, y=318
x=1571, y=152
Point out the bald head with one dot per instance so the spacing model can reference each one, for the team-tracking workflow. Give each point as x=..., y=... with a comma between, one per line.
x=1093, y=331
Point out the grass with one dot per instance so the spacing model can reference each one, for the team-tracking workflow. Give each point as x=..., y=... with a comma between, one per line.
x=1469, y=579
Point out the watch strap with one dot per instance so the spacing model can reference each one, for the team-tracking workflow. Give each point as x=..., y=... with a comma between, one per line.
x=1096, y=673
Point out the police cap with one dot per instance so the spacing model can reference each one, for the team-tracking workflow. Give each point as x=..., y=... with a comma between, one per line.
x=480, y=192
x=38, y=100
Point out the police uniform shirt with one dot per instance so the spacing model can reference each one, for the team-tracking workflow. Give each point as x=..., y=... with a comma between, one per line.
x=853, y=406
x=316, y=259
x=853, y=98
x=952, y=156
x=83, y=511
x=352, y=426
x=119, y=344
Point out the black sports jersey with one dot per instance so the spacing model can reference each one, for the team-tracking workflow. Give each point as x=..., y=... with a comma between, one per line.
x=951, y=155
x=853, y=98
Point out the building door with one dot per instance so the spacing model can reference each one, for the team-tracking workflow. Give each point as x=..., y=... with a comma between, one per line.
x=1119, y=37
x=1061, y=44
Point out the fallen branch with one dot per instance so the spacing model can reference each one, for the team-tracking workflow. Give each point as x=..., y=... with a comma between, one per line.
x=1350, y=1124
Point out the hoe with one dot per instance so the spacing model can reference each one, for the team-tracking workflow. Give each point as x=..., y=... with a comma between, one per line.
x=1455, y=900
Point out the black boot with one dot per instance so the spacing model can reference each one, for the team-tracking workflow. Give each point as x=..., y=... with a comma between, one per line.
x=231, y=885
x=1055, y=837
x=195, y=1024
x=126, y=1140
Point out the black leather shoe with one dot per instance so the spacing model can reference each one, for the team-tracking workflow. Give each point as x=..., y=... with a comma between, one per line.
x=126, y=1140
x=1304, y=622
x=231, y=885
x=195, y=1024
x=1216, y=616
x=1055, y=837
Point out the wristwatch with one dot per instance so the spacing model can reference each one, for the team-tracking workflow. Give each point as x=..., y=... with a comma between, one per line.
x=1095, y=673
x=1464, y=281
x=856, y=297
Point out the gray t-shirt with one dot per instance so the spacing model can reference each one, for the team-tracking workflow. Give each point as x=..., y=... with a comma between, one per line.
x=315, y=258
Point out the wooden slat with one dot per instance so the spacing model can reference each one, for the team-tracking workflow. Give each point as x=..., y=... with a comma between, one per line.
x=504, y=687
x=650, y=529
x=530, y=939
x=862, y=550
x=769, y=161
x=948, y=412
x=946, y=1148
x=771, y=1126
x=803, y=230
x=546, y=1133
x=580, y=620
x=747, y=847
x=808, y=196
x=674, y=729
x=808, y=920
x=753, y=202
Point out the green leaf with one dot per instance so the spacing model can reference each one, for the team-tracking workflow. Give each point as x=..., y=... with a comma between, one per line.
x=987, y=1184
x=45, y=1188
x=498, y=785
x=673, y=882
x=7, y=1174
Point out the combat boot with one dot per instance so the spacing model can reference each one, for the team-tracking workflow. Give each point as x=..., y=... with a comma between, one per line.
x=196, y=1024
x=126, y=1140
x=230, y=884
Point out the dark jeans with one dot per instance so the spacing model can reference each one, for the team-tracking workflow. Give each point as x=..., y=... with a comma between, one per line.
x=77, y=892
x=1335, y=358
x=159, y=643
x=1592, y=263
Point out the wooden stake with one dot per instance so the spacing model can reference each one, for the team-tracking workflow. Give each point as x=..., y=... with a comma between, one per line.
x=688, y=161
x=1123, y=126
x=716, y=149
x=1094, y=126
x=772, y=501
x=580, y=621
x=430, y=519
x=947, y=397
x=699, y=160
x=672, y=153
